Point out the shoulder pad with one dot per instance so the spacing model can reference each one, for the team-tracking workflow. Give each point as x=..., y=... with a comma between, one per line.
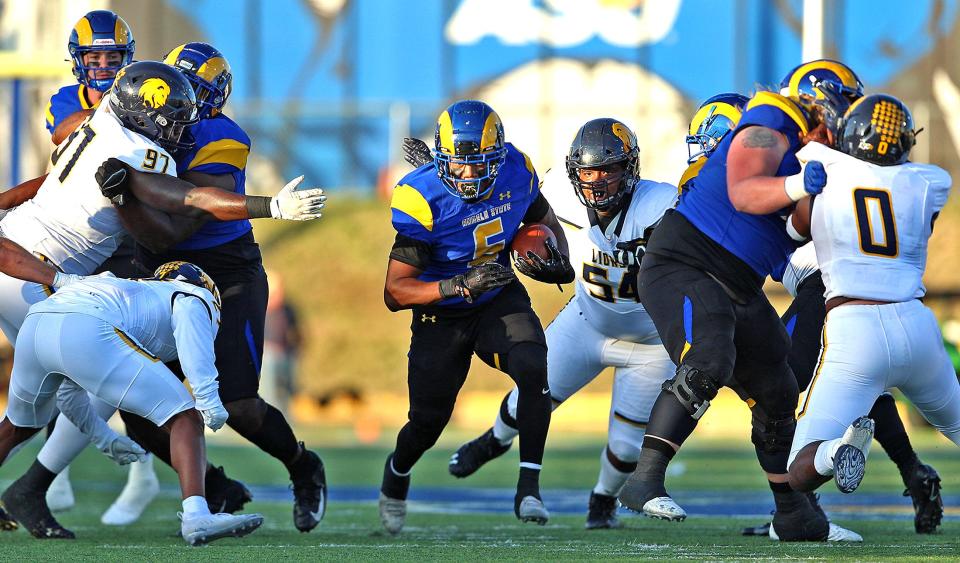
x=219, y=141
x=771, y=101
x=516, y=155
x=690, y=173
x=411, y=211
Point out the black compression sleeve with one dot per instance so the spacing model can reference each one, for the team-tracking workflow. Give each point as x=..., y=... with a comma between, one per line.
x=258, y=206
x=537, y=209
x=411, y=251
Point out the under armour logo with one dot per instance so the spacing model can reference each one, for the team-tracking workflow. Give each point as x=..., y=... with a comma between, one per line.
x=505, y=195
x=424, y=318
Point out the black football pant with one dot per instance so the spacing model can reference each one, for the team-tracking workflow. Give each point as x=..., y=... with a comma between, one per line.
x=736, y=341
x=804, y=322
x=506, y=334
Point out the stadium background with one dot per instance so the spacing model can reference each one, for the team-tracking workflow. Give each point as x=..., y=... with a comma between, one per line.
x=328, y=88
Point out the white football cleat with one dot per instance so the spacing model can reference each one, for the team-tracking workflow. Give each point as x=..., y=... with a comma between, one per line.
x=664, y=508
x=209, y=527
x=393, y=513
x=141, y=488
x=849, y=463
x=837, y=533
x=531, y=509
x=60, y=494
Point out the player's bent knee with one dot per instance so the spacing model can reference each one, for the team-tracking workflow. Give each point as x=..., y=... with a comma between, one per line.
x=527, y=365
x=693, y=388
x=772, y=436
x=625, y=453
x=246, y=414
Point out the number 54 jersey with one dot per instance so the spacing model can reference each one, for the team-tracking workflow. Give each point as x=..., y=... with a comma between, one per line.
x=607, y=260
x=871, y=224
x=69, y=221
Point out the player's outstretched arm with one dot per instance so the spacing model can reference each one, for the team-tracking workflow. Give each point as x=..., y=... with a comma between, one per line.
x=17, y=262
x=73, y=402
x=69, y=125
x=752, y=163
x=194, y=330
x=177, y=197
x=21, y=193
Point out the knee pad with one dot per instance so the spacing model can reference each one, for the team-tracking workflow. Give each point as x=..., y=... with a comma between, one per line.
x=693, y=388
x=772, y=435
x=527, y=366
x=624, y=452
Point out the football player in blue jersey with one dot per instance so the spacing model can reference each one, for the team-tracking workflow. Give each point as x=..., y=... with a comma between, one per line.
x=702, y=284
x=101, y=44
x=455, y=219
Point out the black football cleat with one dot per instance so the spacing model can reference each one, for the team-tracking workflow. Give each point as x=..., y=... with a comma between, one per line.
x=225, y=495
x=7, y=523
x=309, y=492
x=472, y=455
x=29, y=509
x=602, y=512
x=923, y=487
x=761, y=530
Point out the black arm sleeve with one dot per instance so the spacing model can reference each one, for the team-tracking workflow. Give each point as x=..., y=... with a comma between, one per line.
x=537, y=209
x=411, y=251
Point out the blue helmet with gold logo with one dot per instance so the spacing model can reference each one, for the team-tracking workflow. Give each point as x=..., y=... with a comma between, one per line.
x=714, y=119
x=469, y=149
x=100, y=30
x=155, y=100
x=208, y=72
x=800, y=84
x=608, y=144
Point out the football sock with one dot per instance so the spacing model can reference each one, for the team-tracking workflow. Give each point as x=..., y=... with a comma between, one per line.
x=37, y=478
x=527, y=366
x=505, y=426
x=892, y=436
x=395, y=484
x=670, y=420
x=785, y=498
x=195, y=506
x=614, y=473
x=651, y=470
x=528, y=483
x=823, y=460
x=274, y=435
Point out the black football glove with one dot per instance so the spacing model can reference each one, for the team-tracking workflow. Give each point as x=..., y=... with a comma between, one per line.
x=477, y=281
x=556, y=269
x=416, y=152
x=113, y=179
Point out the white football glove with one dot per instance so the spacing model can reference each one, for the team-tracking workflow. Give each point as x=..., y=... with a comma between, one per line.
x=61, y=280
x=123, y=450
x=292, y=204
x=212, y=410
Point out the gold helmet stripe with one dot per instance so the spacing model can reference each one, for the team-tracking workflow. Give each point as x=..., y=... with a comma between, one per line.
x=84, y=32
x=120, y=34
x=489, y=138
x=721, y=108
x=172, y=56
x=213, y=68
x=845, y=74
x=445, y=126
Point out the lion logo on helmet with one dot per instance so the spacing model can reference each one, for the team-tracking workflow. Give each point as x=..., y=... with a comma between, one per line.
x=154, y=92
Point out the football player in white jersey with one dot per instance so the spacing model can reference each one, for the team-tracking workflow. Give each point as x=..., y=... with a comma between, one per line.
x=870, y=228
x=110, y=337
x=607, y=217
x=70, y=221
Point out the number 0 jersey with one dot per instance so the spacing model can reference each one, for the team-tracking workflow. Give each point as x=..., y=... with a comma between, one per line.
x=461, y=235
x=606, y=281
x=69, y=221
x=872, y=223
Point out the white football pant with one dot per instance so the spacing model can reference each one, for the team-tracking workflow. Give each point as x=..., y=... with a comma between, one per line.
x=868, y=349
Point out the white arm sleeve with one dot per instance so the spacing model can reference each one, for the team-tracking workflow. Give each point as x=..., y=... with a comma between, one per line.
x=73, y=402
x=194, y=331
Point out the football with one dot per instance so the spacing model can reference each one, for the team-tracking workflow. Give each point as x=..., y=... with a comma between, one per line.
x=533, y=237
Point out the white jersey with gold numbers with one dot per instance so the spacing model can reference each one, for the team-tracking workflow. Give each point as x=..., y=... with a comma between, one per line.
x=69, y=221
x=606, y=277
x=871, y=224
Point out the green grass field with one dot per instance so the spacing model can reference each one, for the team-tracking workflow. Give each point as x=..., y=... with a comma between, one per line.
x=351, y=530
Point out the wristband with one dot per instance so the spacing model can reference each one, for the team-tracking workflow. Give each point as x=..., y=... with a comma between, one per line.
x=258, y=206
x=794, y=187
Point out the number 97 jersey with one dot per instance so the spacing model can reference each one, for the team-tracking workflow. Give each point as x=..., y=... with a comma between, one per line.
x=871, y=224
x=69, y=221
x=607, y=260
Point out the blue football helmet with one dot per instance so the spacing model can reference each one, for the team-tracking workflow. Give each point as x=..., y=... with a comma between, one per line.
x=100, y=30
x=188, y=273
x=208, y=72
x=469, y=133
x=714, y=119
x=800, y=84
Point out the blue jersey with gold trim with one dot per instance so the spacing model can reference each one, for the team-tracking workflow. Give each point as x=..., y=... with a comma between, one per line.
x=462, y=235
x=221, y=147
x=69, y=99
x=759, y=240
